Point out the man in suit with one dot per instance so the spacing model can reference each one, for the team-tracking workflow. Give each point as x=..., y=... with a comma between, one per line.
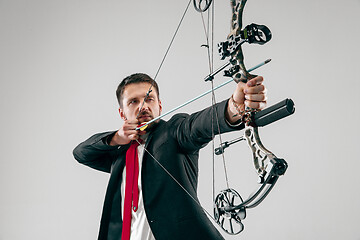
x=166, y=206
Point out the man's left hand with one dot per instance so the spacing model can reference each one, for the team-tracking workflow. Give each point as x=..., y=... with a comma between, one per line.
x=251, y=94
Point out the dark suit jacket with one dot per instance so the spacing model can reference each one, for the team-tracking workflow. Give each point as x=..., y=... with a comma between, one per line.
x=171, y=213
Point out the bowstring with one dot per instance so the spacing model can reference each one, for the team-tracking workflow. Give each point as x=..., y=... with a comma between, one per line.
x=164, y=57
x=211, y=67
x=210, y=54
x=176, y=181
x=142, y=105
x=210, y=61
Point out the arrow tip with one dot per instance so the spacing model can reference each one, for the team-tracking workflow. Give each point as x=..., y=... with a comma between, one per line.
x=267, y=61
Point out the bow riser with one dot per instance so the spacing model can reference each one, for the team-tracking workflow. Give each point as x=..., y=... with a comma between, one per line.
x=267, y=165
x=261, y=155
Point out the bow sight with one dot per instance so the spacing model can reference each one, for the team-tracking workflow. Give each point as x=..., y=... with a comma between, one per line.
x=253, y=33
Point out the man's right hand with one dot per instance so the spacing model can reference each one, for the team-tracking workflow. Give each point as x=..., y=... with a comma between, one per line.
x=126, y=133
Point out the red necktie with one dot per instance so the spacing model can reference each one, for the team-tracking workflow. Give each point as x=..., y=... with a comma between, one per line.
x=131, y=188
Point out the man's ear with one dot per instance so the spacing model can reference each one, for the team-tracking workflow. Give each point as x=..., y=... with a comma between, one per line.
x=122, y=115
x=160, y=106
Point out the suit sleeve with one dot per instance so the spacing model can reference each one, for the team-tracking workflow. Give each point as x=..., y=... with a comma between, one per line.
x=96, y=153
x=195, y=131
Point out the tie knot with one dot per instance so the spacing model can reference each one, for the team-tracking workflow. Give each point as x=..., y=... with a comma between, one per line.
x=137, y=142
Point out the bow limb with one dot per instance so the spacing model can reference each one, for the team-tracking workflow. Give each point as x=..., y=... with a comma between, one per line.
x=237, y=57
x=237, y=7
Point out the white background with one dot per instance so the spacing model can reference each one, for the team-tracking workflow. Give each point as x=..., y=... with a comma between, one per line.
x=61, y=61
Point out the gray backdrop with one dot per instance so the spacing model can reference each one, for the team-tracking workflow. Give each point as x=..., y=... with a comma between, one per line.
x=61, y=62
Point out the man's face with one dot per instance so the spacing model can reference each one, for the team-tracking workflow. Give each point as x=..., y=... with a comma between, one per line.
x=133, y=97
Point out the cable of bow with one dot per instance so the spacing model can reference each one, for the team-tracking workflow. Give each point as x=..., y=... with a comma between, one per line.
x=165, y=55
x=209, y=30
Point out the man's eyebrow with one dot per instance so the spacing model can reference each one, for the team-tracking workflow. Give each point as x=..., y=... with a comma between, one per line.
x=151, y=94
x=132, y=99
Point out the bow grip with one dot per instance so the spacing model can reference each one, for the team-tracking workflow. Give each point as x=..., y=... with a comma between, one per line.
x=274, y=113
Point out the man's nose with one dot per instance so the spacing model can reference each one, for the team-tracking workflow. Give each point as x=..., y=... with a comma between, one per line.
x=143, y=107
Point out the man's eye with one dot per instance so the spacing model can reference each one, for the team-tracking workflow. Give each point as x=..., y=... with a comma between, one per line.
x=132, y=102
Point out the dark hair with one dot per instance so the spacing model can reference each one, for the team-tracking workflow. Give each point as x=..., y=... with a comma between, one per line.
x=134, y=78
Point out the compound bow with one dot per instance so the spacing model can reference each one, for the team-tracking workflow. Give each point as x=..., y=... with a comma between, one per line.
x=229, y=207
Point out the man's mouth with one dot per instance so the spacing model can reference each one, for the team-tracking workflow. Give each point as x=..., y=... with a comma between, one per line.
x=145, y=117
